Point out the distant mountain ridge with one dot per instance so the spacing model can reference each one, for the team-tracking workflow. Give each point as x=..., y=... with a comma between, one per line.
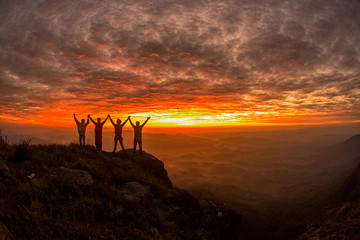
x=339, y=159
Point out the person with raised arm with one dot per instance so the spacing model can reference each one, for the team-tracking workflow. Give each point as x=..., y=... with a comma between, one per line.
x=137, y=133
x=118, y=132
x=81, y=126
x=98, y=132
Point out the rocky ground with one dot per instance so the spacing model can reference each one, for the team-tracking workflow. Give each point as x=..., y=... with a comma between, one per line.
x=65, y=192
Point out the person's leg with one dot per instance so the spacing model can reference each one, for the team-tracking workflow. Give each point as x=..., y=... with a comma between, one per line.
x=100, y=144
x=135, y=142
x=115, y=143
x=122, y=146
x=80, y=140
x=140, y=146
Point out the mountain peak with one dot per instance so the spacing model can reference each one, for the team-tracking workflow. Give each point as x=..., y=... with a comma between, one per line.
x=354, y=139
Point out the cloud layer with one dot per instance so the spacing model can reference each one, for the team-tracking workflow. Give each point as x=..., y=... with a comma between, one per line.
x=192, y=61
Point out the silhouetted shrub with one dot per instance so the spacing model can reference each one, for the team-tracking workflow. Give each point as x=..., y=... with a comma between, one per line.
x=21, y=152
x=3, y=140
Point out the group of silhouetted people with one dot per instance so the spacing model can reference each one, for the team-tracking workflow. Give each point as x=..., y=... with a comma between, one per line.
x=118, y=132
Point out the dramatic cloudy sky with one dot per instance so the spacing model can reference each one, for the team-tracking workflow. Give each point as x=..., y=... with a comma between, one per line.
x=180, y=61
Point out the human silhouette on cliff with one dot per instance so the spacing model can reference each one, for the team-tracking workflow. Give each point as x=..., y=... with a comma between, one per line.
x=98, y=132
x=118, y=132
x=81, y=126
x=137, y=134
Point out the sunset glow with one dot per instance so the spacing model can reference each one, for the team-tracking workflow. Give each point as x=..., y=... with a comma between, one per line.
x=184, y=63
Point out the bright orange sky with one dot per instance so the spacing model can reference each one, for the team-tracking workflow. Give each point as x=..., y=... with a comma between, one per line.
x=188, y=63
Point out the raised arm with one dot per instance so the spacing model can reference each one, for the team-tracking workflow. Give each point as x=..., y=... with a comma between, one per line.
x=105, y=120
x=77, y=122
x=92, y=120
x=111, y=120
x=131, y=122
x=87, y=122
x=125, y=121
x=145, y=122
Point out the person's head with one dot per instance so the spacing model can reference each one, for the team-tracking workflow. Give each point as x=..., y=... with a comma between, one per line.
x=98, y=120
x=118, y=121
x=82, y=120
x=137, y=123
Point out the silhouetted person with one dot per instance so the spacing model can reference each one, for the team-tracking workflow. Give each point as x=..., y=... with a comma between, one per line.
x=81, y=126
x=137, y=134
x=98, y=132
x=118, y=131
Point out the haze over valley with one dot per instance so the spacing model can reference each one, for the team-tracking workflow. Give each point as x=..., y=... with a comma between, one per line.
x=269, y=162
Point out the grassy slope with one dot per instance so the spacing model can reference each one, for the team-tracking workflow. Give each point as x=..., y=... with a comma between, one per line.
x=46, y=208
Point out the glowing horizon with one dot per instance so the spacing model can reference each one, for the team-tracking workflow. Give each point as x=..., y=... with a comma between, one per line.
x=197, y=120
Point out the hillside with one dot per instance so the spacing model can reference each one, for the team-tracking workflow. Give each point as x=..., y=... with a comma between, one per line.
x=341, y=218
x=65, y=192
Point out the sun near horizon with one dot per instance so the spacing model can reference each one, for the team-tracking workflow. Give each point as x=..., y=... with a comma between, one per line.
x=188, y=119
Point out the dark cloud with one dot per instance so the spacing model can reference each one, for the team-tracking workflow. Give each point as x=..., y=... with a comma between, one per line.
x=304, y=53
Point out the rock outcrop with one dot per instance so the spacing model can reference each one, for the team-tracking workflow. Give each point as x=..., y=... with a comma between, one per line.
x=67, y=192
x=134, y=192
x=153, y=166
x=220, y=220
x=73, y=176
x=178, y=206
x=339, y=222
x=182, y=208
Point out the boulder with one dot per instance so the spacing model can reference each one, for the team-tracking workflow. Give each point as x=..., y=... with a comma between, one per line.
x=179, y=206
x=134, y=192
x=152, y=165
x=73, y=176
x=182, y=208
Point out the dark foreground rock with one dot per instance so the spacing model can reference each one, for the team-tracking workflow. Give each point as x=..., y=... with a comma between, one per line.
x=73, y=176
x=220, y=220
x=134, y=192
x=152, y=165
x=341, y=222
